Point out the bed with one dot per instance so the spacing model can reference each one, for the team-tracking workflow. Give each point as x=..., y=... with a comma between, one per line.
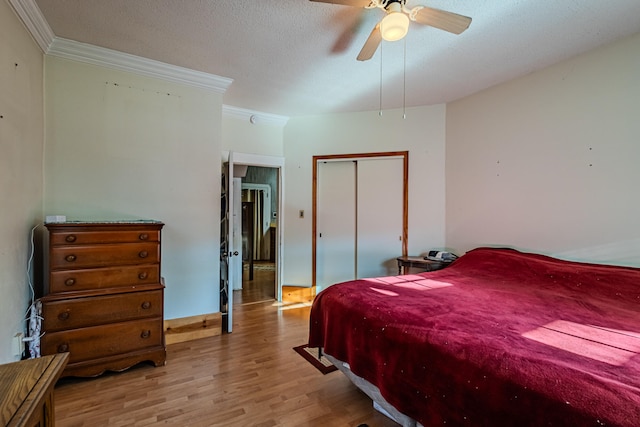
x=500, y=337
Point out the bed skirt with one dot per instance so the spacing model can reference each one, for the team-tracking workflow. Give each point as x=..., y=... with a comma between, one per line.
x=379, y=402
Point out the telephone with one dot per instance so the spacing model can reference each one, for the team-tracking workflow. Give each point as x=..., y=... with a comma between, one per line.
x=441, y=256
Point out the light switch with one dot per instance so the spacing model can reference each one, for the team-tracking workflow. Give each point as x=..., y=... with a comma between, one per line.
x=301, y=213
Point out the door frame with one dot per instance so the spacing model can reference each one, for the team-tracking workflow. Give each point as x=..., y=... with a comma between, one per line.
x=349, y=157
x=275, y=162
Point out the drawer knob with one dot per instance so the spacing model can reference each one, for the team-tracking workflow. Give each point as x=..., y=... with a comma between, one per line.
x=143, y=254
x=146, y=305
x=64, y=315
x=70, y=258
x=145, y=334
x=63, y=348
x=70, y=281
x=143, y=236
x=70, y=238
x=142, y=275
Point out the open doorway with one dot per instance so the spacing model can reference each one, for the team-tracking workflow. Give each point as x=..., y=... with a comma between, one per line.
x=258, y=229
x=231, y=230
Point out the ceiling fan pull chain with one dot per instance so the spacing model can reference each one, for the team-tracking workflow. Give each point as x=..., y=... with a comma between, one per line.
x=380, y=111
x=404, y=81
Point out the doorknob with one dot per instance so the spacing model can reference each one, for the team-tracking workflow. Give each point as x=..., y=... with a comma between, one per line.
x=235, y=253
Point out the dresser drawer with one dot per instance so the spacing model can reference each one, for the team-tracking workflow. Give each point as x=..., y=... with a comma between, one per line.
x=91, y=311
x=101, y=278
x=70, y=237
x=105, y=340
x=69, y=257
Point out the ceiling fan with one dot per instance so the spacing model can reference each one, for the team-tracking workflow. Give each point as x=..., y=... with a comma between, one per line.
x=395, y=24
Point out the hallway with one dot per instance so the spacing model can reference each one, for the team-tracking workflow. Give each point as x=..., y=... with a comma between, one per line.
x=261, y=288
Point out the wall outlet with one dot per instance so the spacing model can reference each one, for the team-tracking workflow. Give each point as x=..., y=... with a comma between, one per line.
x=18, y=344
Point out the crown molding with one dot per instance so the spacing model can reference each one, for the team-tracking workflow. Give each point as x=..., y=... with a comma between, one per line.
x=90, y=54
x=254, y=117
x=32, y=18
x=35, y=22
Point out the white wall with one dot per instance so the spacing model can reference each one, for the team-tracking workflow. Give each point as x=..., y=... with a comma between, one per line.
x=242, y=136
x=421, y=133
x=21, y=141
x=123, y=146
x=550, y=162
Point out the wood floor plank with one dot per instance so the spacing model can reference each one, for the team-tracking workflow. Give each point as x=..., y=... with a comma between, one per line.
x=251, y=377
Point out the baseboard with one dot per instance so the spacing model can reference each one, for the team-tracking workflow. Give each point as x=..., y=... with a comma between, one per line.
x=294, y=294
x=192, y=328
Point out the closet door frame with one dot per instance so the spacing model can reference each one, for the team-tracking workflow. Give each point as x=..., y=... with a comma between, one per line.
x=358, y=156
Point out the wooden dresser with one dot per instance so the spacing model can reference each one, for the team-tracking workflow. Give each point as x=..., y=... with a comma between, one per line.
x=26, y=391
x=103, y=301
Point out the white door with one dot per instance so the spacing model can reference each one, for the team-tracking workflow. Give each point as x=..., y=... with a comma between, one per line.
x=336, y=223
x=359, y=218
x=380, y=216
x=235, y=262
x=227, y=247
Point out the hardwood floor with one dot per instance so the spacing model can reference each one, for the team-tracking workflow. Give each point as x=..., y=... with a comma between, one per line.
x=251, y=377
x=261, y=288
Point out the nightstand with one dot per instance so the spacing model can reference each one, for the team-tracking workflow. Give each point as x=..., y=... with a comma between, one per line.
x=405, y=262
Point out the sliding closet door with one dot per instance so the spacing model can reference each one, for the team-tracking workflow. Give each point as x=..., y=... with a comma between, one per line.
x=336, y=223
x=360, y=218
x=379, y=216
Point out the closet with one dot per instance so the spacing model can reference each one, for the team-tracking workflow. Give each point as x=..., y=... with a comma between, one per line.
x=360, y=216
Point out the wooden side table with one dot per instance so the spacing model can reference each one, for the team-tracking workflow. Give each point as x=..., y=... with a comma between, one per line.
x=26, y=391
x=405, y=262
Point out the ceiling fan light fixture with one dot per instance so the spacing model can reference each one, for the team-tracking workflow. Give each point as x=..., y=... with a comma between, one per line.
x=394, y=26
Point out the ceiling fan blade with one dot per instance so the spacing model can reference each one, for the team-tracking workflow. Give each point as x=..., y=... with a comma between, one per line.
x=371, y=45
x=355, y=3
x=447, y=21
x=352, y=22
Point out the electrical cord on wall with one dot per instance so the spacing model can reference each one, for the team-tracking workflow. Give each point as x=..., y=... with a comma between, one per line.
x=33, y=314
x=30, y=261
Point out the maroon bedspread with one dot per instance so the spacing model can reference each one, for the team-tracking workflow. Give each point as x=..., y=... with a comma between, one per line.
x=498, y=338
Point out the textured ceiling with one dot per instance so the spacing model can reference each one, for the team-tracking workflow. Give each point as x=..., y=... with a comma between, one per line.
x=296, y=57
